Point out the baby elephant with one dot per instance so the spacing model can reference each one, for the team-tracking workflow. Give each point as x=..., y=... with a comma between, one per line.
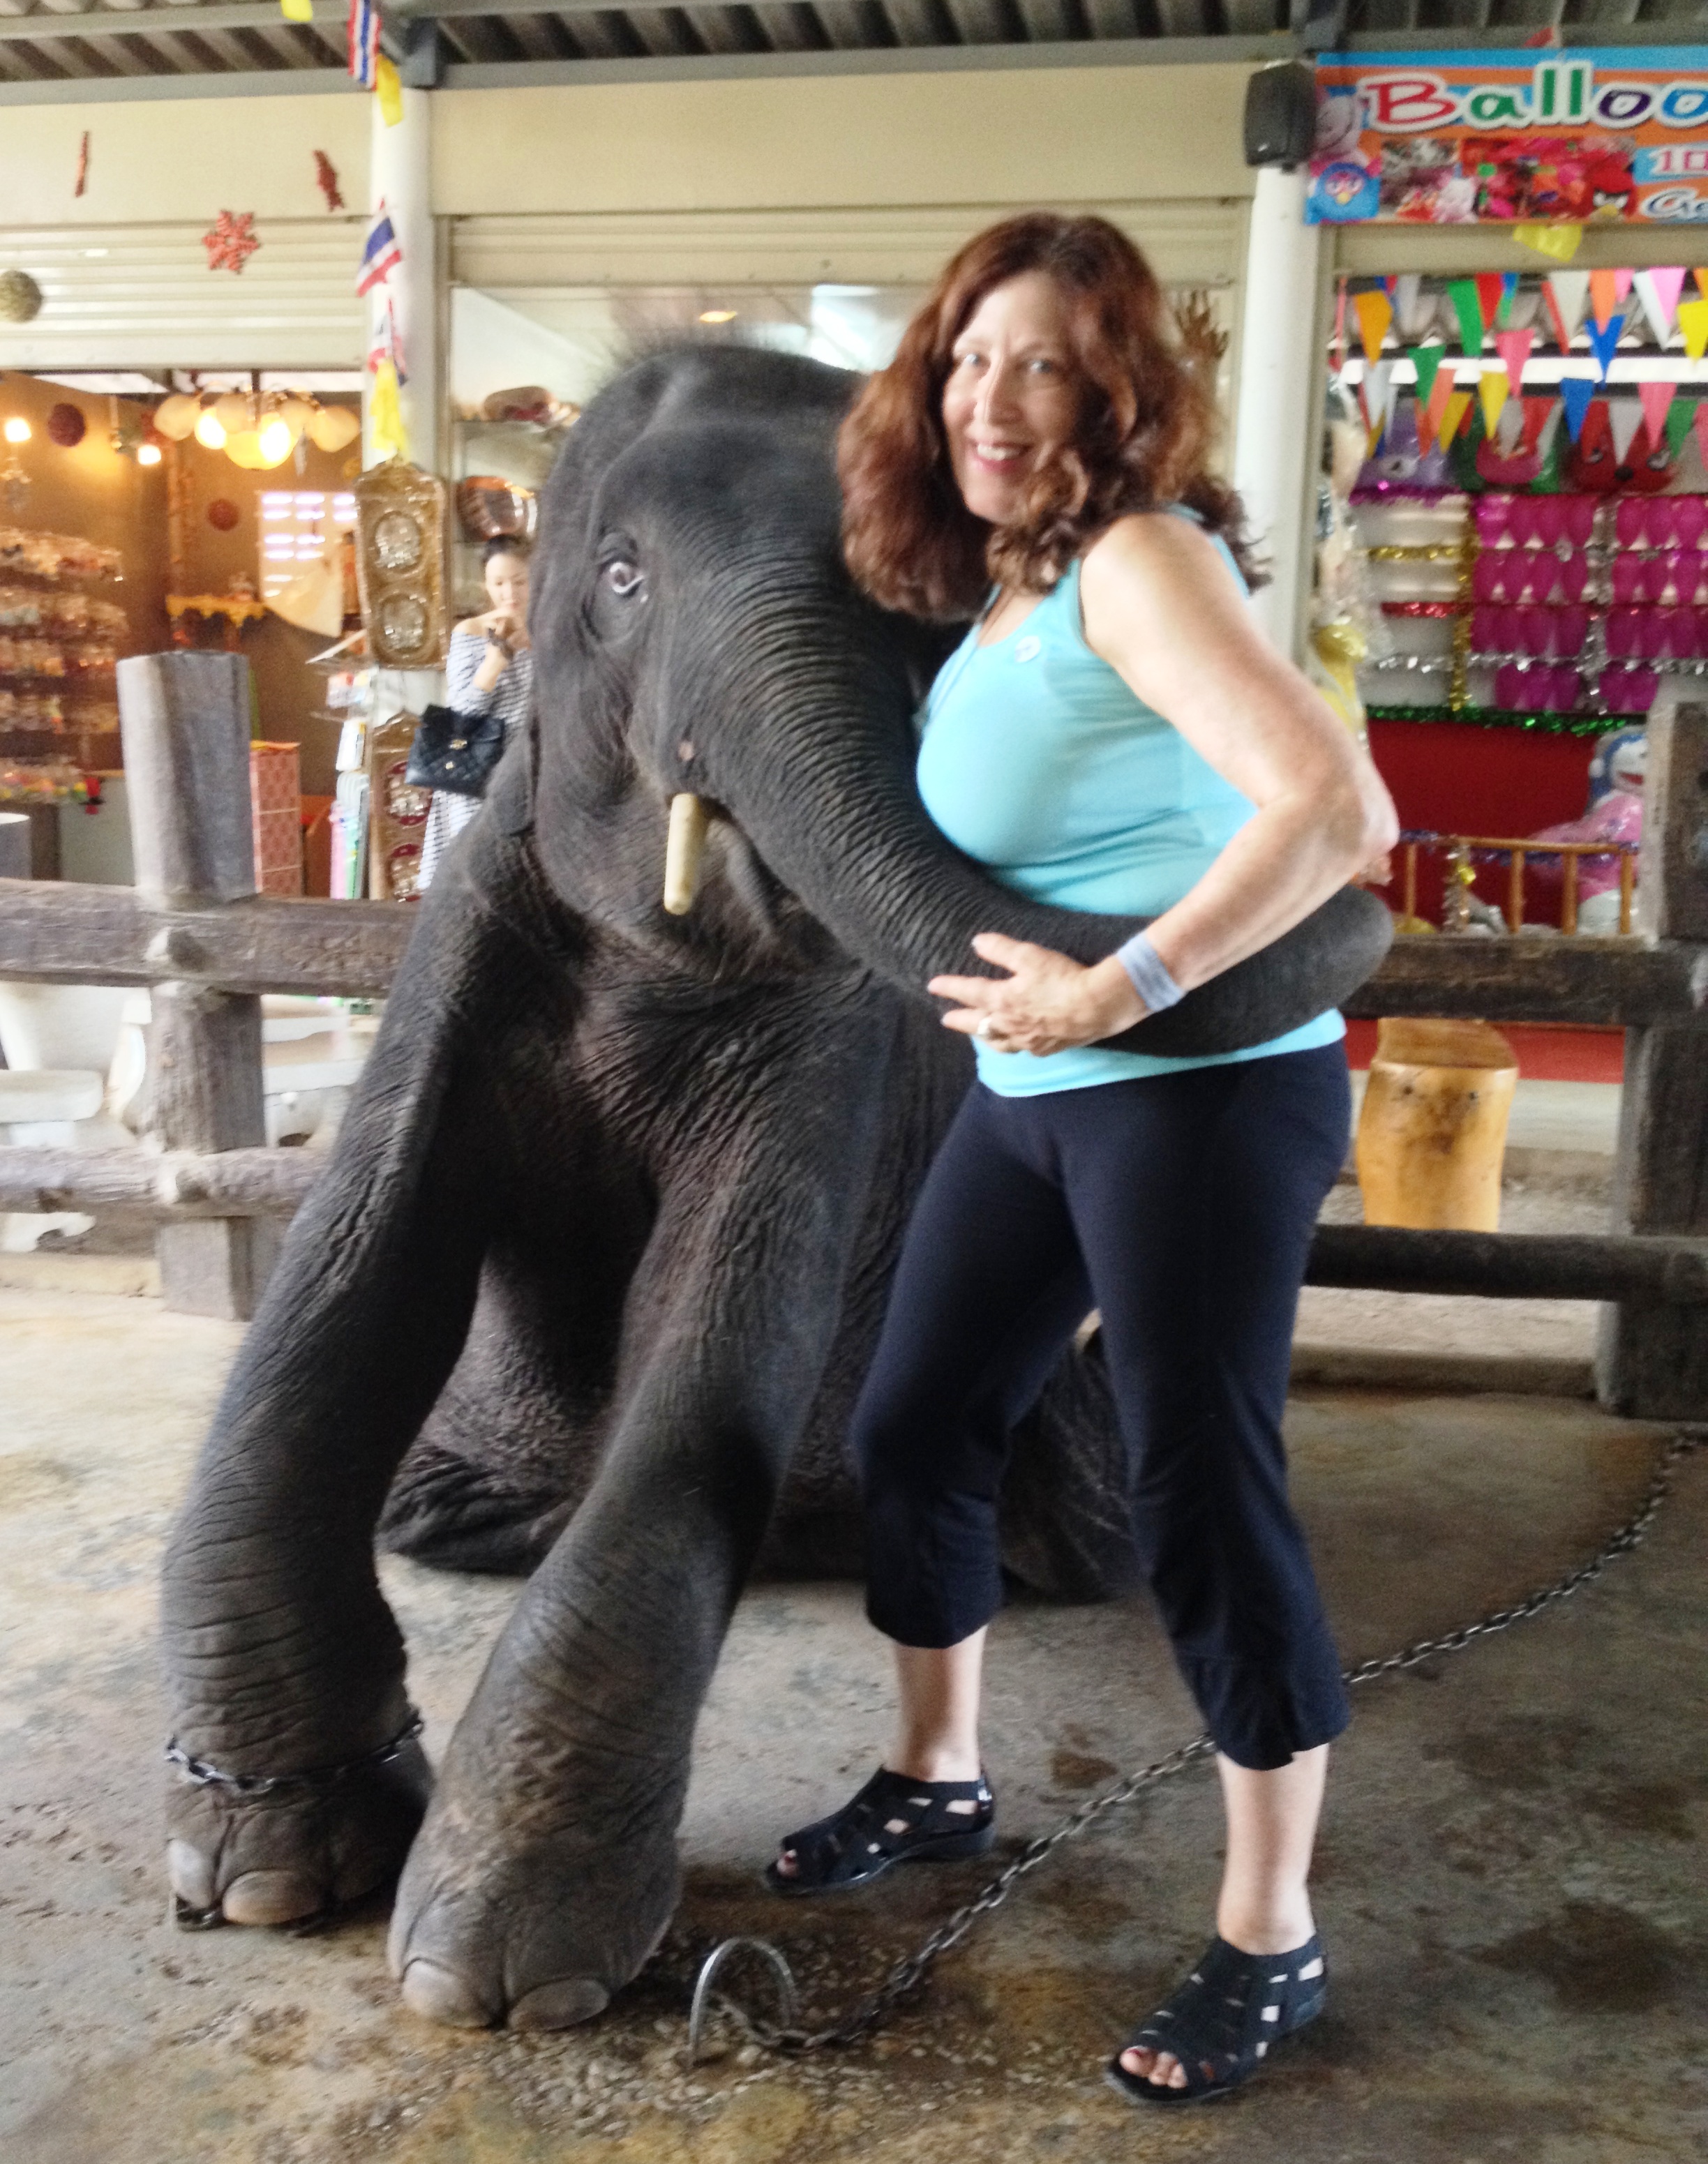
x=591, y=1278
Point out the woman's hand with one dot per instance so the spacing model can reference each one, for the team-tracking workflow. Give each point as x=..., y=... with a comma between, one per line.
x=1046, y=1004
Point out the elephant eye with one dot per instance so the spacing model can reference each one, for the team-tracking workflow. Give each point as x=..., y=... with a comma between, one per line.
x=624, y=579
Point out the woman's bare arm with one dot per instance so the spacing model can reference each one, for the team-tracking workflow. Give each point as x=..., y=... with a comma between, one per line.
x=1161, y=607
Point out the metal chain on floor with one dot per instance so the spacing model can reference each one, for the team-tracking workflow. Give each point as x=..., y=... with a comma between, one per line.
x=787, y=2035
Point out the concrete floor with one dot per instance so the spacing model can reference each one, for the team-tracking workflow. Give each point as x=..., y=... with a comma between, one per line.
x=1511, y=1882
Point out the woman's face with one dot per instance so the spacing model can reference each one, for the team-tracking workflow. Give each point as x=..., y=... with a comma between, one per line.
x=1012, y=394
x=506, y=584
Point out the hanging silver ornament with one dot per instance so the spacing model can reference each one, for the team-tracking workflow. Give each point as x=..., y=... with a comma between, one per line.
x=20, y=296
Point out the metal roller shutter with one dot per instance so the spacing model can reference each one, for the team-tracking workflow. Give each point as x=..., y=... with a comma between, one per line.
x=1192, y=243
x=143, y=297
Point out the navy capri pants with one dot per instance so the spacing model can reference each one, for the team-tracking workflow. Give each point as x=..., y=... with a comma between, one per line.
x=1181, y=1206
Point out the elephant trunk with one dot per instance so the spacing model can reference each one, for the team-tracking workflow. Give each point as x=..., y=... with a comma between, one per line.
x=828, y=798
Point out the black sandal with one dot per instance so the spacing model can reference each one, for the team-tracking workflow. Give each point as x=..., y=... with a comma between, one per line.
x=893, y=1820
x=1222, y=2020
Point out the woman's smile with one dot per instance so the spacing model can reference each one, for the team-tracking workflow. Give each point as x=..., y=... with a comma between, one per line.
x=1011, y=394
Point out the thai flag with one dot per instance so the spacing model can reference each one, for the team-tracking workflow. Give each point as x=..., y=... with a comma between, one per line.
x=380, y=254
x=364, y=41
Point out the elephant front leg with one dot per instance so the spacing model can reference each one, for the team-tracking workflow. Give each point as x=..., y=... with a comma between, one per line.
x=546, y=1871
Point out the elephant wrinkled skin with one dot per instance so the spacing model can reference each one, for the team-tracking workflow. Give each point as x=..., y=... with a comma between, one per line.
x=591, y=1277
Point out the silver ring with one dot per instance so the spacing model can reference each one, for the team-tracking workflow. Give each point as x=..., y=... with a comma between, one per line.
x=982, y=1028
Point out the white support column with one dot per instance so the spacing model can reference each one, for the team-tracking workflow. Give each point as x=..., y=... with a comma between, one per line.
x=402, y=169
x=1277, y=428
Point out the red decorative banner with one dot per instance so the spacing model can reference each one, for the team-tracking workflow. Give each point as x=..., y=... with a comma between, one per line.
x=1556, y=137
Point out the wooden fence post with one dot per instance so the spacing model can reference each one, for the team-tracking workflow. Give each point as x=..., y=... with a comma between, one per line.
x=186, y=723
x=1653, y=1360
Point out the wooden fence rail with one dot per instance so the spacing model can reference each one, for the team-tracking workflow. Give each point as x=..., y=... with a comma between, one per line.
x=194, y=930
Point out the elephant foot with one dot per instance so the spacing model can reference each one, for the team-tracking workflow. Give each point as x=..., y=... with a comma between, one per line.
x=295, y=1852
x=488, y=1931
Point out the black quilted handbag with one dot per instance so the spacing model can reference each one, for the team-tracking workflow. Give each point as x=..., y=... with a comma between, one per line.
x=454, y=752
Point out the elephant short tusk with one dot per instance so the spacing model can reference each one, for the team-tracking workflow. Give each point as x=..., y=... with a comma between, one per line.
x=683, y=851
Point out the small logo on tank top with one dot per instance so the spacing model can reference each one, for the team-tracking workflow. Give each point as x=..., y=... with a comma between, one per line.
x=1028, y=649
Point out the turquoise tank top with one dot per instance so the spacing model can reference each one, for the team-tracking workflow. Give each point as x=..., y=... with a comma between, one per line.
x=1037, y=761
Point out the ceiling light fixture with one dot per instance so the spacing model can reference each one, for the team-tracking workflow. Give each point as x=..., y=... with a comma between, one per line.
x=718, y=315
x=17, y=429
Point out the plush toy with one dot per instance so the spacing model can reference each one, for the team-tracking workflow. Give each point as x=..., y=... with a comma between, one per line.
x=1613, y=814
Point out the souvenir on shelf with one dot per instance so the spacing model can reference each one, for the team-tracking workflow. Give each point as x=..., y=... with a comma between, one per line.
x=59, y=644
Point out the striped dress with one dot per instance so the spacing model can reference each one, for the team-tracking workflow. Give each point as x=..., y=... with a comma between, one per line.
x=508, y=699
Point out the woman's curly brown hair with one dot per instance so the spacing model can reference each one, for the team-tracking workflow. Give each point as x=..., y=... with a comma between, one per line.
x=1144, y=432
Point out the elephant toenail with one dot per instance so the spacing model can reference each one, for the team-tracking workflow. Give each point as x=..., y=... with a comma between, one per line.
x=191, y=1875
x=440, y=1994
x=559, y=2005
x=271, y=1897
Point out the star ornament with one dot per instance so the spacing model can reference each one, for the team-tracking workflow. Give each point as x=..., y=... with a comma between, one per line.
x=230, y=241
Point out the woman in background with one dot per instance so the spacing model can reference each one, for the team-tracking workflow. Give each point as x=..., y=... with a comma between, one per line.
x=490, y=671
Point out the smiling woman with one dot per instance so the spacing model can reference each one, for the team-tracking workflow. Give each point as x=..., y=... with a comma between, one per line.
x=1120, y=422
x=1112, y=737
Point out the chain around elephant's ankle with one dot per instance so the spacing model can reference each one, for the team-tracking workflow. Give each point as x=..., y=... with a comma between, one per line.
x=198, y=1771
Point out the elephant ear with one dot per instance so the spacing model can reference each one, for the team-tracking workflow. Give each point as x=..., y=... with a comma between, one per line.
x=511, y=793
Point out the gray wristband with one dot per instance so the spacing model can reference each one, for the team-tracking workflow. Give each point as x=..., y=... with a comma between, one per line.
x=1147, y=974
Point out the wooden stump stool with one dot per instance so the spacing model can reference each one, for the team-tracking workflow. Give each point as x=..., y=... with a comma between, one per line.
x=1432, y=1133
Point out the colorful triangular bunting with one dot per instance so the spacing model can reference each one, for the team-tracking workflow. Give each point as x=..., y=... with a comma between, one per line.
x=1431, y=411
x=1627, y=418
x=1376, y=312
x=1604, y=342
x=1692, y=322
x=1576, y=392
x=1491, y=291
x=1566, y=292
x=1656, y=398
x=1427, y=359
x=1453, y=417
x=1491, y=389
x=1658, y=291
x=1604, y=296
x=1462, y=293
x=1514, y=350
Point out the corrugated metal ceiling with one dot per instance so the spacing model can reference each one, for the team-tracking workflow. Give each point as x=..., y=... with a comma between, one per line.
x=61, y=40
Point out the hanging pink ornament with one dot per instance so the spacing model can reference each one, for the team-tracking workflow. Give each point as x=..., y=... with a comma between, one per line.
x=1535, y=632
x=1621, y=633
x=1511, y=684
x=1580, y=519
x=1566, y=691
x=1485, y=625
x=1550, y=521
x=1629, y=574
x=1488, y=577
x=1651, y=632
x=1690, y=520
x=1575, y=576
x=1659, y=525
x=1493, y=513
x=1570, y=629
x=1631, y=521
x=1678, y=633
x=1545, y=575
x=1520, y=523
x=1700, y=615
